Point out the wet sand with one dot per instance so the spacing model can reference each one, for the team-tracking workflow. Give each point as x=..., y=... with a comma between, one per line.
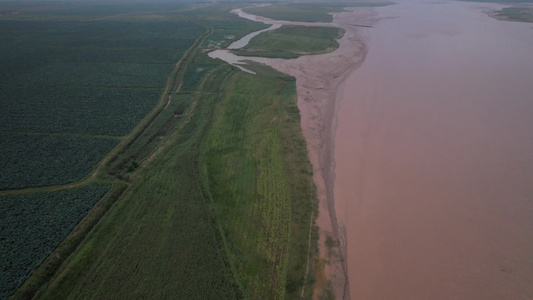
x=433, y=156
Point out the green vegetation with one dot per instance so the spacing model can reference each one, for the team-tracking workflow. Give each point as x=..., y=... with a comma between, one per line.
x=28, y=160
x=307, y=12
x=43, y=220
x=172, y=204
x=161, y=237
x=259, y=178
x=292, y=42
x=91, y=79
x=196, y=70
x=520, y=14
x=212, y=194
x=87, y=111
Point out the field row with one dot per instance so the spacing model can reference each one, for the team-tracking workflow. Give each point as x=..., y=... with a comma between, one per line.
x=292, y=42
x=44, y=220
x=89, y=9
x=95, y=111
x=43, y=160
x=60, y=74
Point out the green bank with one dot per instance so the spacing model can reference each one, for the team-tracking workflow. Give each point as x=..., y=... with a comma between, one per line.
x=292, y=42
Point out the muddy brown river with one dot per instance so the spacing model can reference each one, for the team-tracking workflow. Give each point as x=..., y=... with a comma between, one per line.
x=434, y=156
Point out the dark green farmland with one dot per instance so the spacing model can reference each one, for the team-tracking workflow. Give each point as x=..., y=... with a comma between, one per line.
x=90, y=111
x=44, y=220
x=85, y=78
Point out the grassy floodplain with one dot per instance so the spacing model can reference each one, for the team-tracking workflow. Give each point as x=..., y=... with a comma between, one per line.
x=84, y=82
x=307, y=12
x=44, y=220
x=292, y=42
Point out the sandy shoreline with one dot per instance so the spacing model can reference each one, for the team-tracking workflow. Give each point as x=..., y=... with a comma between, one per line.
x=319, y=79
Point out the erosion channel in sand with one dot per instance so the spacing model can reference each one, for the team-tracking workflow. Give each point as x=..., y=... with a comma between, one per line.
x=317, y=79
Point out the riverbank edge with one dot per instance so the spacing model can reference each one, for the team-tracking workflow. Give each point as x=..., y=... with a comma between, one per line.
x=319, y=84
x=320, y=80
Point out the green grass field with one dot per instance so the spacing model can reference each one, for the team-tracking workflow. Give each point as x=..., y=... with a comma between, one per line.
x=69, y=86
x=292, y=42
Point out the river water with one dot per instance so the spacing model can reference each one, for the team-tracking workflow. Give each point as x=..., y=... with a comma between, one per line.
x=434, y=156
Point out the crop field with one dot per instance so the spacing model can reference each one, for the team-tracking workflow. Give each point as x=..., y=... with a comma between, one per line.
x=28, y=160
x=88, y=78
x=292, y=42
x=32, y=225
x=75, y=111
x=88, y=10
